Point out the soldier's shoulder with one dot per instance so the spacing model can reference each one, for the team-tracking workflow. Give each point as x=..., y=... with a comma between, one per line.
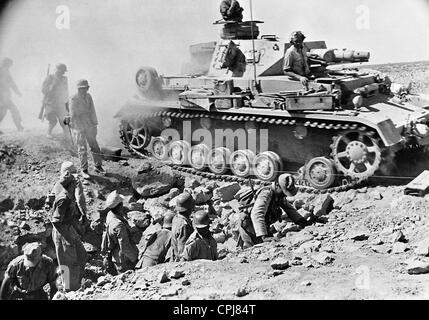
x=47, y=260
x=16, y=261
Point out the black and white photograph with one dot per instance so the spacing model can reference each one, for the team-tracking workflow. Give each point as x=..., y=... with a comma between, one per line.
x=214, y=150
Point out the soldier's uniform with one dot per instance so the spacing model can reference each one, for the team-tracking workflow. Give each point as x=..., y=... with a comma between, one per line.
x=56, y=94
x=68, y=245
x=296, y=60
x=84, y=123
x=158, y=249
x=231, y=11
x=198, y=247
x=182, y=230
x=6, y=85
x=26, y=278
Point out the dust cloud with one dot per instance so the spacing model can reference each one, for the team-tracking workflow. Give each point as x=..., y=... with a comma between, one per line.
x=109, y=39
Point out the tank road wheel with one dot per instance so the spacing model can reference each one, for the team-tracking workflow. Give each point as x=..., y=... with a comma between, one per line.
x=148, y=82
x=356, y=154
x=198, y=156
x=267, y=165
x=218, y=160
x=136, y=136
x=320, y=173
x=178, y=152
x=159, y=148
x=241, y=162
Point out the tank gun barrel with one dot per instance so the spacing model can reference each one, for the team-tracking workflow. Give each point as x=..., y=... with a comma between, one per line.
x=339, y=55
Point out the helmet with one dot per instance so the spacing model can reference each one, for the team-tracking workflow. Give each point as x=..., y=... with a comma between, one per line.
x=168, y=219
x=296, y=35
x=32, y=254
x=113, y=199
x=61, y=67
x=287, y=184
x=184, y=202
x=82, y=83
x=201, y=219
x=67, y=166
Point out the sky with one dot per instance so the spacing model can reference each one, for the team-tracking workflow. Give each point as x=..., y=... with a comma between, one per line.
x=109, y=39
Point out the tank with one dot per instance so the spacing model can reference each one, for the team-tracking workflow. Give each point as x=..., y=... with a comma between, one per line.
x=234, y=113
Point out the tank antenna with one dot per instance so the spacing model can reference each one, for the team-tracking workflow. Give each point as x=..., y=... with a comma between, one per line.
x=253, y=45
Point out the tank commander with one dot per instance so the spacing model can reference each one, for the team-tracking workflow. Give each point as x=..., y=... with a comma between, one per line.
x=231, y=10
x=26, y=275
x=6, y=85
x=263, y=207
x=55, y=95
x=295, y=62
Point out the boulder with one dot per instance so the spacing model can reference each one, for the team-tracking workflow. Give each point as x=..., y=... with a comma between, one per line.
x=398, y=236
x=135, y=206
x=174, y=192
x=358, y=235
x=155, y=182
x=139, y=219
x=280, y=264
x=227, y=191
x=145, y=167
x=422, y=248
x=418, y=267
x=219, y=237
x=163, y=277
x=399, y=247
x=191, y=183
x=241, y=292
x=323, y=205
x=323, y=258
x=201, y=195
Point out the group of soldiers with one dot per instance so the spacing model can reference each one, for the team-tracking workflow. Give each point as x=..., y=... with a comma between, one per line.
x=185, y=235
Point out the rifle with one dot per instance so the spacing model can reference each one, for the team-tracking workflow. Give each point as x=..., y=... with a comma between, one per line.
x=42, y=109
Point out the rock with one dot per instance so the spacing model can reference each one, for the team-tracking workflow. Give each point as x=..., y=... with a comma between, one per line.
x=174, y=192
x=139, y=219
x=422, y=248
x=135, y=206
x=345, y=199
x=298, y=203
x=322, y=258
x=358, y=235
x=381, y=249
x=309, y=247
x=399, y=247
x=24, y=225
x=277, y=272
x=172, y=202
x=124, y=163
x=177, y=273
x=219, y=237
x=145, y=167
x=140, y=284
x=323, y=205
x=163, y=277
x=241, y=292
x=386, y=232
x=59, y=296
x=186, y=282
x=279, y=225
x=377, y=241
x=264, y=257
x=6, y=204
x=101, y=281
x=227, y=191
x=191, y=183
x=154, y=183
x=418, y=267
x=376, y=195
x=280, y=264
x=170, y=292
x=201, y=195
x=398, y=236
x=88, y=291
x=211, y=185
x=305, y=283
x=301, y=238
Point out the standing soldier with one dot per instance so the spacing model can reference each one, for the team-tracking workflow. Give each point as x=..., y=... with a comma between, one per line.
x=295, y=61
x=117, y=243
x=6, y=85
x=69, y=249
x=27, y=274
x=83, y=120
x=201, y=244
x=55, y=96
x=231, y=10
x=182, y=225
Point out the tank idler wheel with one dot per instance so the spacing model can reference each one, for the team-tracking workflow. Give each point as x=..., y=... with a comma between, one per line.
x=159, y=148
x=137, y=135
x=356, y=154
x=320, y=172
x=241, y=162
x=198, y=156
x=218, y=160
x=178, y=152
x=267, y=165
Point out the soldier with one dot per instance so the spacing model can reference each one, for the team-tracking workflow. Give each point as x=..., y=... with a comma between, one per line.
x=83, y=120
x=295, y=62
x=158, y=246
x=201, y=244
x=55, y=96
x=69, y=249
x=231, y=10
x=117, y=245
x=266, y=209
x=26, y=275
x=182, y=225
x=6, y=85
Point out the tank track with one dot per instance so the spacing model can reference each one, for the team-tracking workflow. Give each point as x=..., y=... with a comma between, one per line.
x=301, y=183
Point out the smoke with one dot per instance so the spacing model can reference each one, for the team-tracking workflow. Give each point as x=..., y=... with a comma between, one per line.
x=109, y=39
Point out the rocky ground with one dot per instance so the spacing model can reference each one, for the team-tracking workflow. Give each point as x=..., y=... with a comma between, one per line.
x=372, y=242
